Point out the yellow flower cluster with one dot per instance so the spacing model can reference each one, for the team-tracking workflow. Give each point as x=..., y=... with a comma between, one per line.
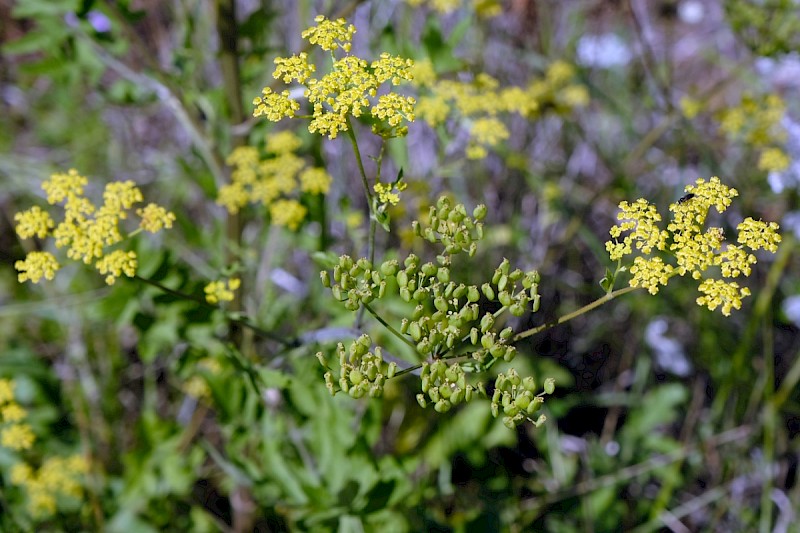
x=481, y=101
x=389, y=193
x=483, y=8
x=756, y=121
x=348, y=90
x=14, y=433
x=87, y=231
x=221, y=291
x=57, y=477
x=694, y=248
x=271, y=180
x=197, y=385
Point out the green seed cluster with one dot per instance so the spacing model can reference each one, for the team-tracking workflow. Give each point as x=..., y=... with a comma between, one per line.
x=448, y=315
x=446, y=322
x=517, y=399
x=361, y=372
x=451, y=227
x=355, y=282
x=446, y=386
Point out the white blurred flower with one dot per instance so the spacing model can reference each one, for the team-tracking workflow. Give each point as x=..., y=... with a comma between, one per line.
x=603, y=51
x=668, y=352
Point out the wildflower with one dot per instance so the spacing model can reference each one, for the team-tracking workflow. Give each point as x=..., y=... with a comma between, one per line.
x=37, y=265
x=773, y=160
x=277, y=143
x=720, y=293
x=12, y=412
x=345, y=91
x=394, y=68
x=756, y=234
x=6, y=390
x=315, y=181
x=155, y=218
x=57, y=477
x=17, y=436
x=385, y=194
x=695, y=250
x=117, y=263
x=86, y=230
x=274, y=106
x=32, y=222
x=289, y=213
x=394, y=108
x=423, y=73
x=221, y=291
x=330, y=34
x=485, y=132
x=293, y=68
x=690, y=107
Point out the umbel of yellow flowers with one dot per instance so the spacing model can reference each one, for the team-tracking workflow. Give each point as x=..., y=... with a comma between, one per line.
x=89, y=233
x=349, y=89
x=689, y=246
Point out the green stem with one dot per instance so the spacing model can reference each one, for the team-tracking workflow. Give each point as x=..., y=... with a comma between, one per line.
x=228, y=316
x=533, y=331
x=354, y=142
x=586, y=308
x=390, y=328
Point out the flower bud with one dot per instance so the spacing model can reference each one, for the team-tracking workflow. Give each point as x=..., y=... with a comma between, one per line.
x=522, y=401
x=511, y=352
x=389, y=268
x=415, y=331
x=529, y=384
x=405, y=294
x=487, y=322
x=402, y=278
x=472, y=294
x=322, y=360
x=421, y=401
x=549, y=385
x=479, y=212
x=429, y=269
x=535, y=405
x=504, y=298
x=326, y=278
x=442, y=406
x=502, y=282
x=488, y=291
x=433, y=394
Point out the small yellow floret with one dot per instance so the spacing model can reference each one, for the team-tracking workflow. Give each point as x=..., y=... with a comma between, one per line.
x=32, y=222
x=155, y=218
x=6, y=390
x=773, y=160
x=315, y=181
x=289, y=213
x=37, y=265
x=221, y=291
x=12, y=412
x=17, y=437
x=117, y=263
x=330, y=34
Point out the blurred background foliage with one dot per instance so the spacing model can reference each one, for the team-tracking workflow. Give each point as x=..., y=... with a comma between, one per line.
x=665, y=416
